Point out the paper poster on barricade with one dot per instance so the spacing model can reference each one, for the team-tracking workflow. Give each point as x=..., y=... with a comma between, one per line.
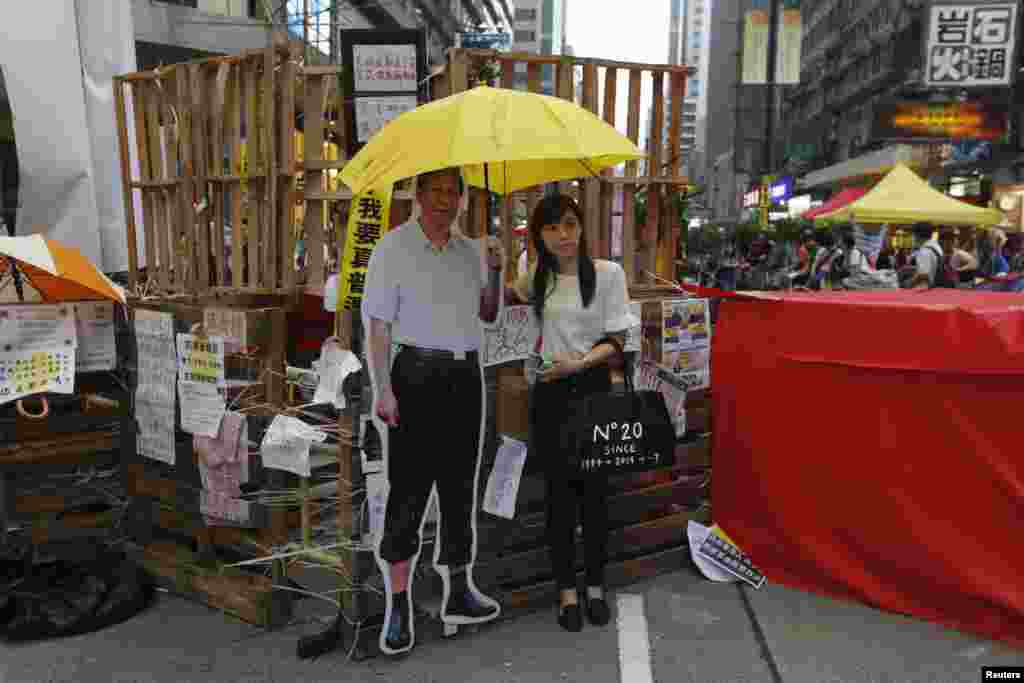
x=201, y=359
x=503, y=484
x=686, y=341
x=335, y=365
x=635, y=333
x=376, y=504
x=697, y=533
x=229, y=323
x=94, y=329
x=202, y=408
x=719, y=549
x=37, y=327
x=286, y=445
x=24, y=373
x=157, y=377
x=513, y=336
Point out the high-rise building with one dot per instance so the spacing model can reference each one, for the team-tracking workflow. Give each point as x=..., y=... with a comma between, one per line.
x=539, y=27
x=689, y=42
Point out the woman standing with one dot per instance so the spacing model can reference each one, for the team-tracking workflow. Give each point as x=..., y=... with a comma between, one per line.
x=581, y=305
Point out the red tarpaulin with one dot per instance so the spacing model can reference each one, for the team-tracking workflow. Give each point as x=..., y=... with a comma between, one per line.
x=850, y=194
x=868, y=445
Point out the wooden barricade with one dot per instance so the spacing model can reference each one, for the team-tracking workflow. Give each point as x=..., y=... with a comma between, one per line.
x=594, y=84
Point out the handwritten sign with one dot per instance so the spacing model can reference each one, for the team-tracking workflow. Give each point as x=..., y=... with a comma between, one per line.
x=373, y=113
x=94, y=328
x=368, y=219
x=36, y=327
x=503, y=484
x=513, y=336
x=229, y=323
x=156, y=429
x=385, y=68
x=201, y=359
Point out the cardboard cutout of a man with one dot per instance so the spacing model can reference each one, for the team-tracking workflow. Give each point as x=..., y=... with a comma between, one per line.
x=428, y=288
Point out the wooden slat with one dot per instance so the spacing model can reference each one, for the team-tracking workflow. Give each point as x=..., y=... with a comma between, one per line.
x=266, y=130
x=255, y=189
x=533, y=58
x=185, y=227
x=200, y=244
x=139, y=100
x=657, y=136
x=533, y=77
x=591, y=186
x=678, y=82
x=172, y=194
x=127, y=193
x=655, y=195
x=345, y=195
x=314, y=139
x=221, y=201
x=234, y=135
x=632, y=167
x=157, y=197
x=508, y=74
x=286, y=225
x=608, y=113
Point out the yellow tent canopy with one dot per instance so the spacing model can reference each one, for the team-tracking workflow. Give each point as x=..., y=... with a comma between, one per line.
x=903, y=197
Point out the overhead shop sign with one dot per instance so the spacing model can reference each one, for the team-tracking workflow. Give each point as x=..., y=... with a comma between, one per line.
x=915, y=121
x=485, y=41
x=781, y=190
x=970, y=43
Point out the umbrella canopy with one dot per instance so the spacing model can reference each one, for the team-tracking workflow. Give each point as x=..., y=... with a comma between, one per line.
x=58, y=272
x=525, y=139
x=838, y=201
x=902, y=197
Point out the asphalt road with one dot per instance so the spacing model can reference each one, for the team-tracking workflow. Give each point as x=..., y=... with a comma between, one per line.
x=697, y=631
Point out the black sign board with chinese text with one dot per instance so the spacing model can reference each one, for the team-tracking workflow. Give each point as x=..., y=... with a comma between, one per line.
x=970, y=43
x=383, y=76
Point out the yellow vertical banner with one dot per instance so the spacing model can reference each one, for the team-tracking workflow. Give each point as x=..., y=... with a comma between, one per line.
x=756, y=30
x=790, y=38
x=368, y=219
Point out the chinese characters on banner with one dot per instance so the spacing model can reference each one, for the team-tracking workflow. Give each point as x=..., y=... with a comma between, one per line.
x=372, y=113
x=368, y=219
x=385, y=68
x=971, y=44
x=37, y=350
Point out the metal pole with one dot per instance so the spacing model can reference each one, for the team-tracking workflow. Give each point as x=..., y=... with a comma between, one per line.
x=769, y=125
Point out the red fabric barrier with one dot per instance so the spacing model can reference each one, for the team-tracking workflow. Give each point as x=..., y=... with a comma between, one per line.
x=869, y=446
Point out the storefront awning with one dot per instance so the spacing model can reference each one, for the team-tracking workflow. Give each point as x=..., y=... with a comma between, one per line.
x=850, y=194
x=872, y=163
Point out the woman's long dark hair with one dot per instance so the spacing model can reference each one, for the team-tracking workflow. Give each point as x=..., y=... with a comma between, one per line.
x=550, y=210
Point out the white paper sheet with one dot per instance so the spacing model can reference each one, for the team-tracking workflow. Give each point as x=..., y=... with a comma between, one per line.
x=202, y=408
x=156, y=429
x=201, y=359
x=97, y=346
x=157, y=378
x=229, y=323
x=36, y=327
x=503, y=484
x=376, y=503
x=635, y=333
x=23, y=373
x=335, y=365
x=286, y=445
x=512, y=337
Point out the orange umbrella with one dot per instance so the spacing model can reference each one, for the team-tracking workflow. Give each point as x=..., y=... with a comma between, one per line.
x=59, y=272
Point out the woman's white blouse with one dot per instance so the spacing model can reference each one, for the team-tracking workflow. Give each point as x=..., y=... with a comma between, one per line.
x=568, y=326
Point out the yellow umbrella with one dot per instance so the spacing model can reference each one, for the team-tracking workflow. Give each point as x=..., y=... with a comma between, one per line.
x=58, y=272
x=504, y=140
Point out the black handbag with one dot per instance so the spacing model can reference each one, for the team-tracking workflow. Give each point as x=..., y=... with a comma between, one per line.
x=620, y=432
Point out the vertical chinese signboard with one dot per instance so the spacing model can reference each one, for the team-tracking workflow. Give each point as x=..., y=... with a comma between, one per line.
x=970, y=43
x=382, y=80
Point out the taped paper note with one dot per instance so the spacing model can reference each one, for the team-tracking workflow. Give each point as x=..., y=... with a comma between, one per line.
x=286, y=445
x=503, y=484
x=201, y=359
x=335, y=365
x=157, y=377
x=94, y=329
x=37, y=327
x=202, y=407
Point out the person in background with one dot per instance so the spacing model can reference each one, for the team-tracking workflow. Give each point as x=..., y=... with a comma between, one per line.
x=1015, y=253
x=927, y=258
x=581, y=306
x=998, y=264
x=823, y=257
x=963, y=264
x=807, y=254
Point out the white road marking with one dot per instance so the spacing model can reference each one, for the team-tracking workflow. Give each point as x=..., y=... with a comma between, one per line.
x=634, y=645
